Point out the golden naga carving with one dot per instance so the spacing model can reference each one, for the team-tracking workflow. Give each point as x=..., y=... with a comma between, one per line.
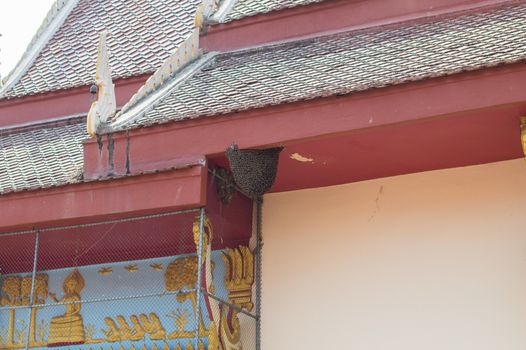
x=68, y=329
x=208, y=233
x=104, y=107
x=228, y=336
x=213, y=337
x=239, y=276
x=523, y=135
x=230, y=329
x=225, y=329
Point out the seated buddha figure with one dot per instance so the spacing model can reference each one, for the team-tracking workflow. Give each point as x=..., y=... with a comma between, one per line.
x=68, y=329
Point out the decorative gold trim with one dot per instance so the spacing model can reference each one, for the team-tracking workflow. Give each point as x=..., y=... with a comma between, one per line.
x=523, y=135
x=239, y=276
x=104, y=271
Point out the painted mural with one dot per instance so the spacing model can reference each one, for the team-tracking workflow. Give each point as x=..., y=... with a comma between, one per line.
x=146, y=304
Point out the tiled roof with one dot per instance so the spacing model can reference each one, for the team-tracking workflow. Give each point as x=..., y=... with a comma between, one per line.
x=42, y=157
x=142, y=34
x=345, y=63
x=245, y=8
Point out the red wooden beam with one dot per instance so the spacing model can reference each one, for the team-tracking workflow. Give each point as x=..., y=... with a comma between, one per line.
x=172, y=144
x=146, y=148
x=100, y=200
x=53, y=105
x=328, y=17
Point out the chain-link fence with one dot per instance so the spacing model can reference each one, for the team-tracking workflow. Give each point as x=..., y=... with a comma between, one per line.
x=140, y=283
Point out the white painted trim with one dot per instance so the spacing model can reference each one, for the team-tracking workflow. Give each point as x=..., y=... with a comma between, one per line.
x=221, y=13
x=142, y=106
x=187, y=51
x=56, y=16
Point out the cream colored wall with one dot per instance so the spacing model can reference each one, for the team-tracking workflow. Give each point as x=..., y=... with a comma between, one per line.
x=434, y=260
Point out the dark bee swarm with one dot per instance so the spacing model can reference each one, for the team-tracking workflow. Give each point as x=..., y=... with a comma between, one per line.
x=225, y=185
x=254, y=170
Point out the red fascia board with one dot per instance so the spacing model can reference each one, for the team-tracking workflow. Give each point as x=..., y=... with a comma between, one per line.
x=329, y=17
x=439, y=97
x=100, y=200
x=448, y=96
x=52, y=105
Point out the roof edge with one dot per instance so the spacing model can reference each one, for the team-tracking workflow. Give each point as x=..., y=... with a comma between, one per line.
x=227, y=17
x=54, y=19
x=45, y=124
x=126, y=117
x=187, y=51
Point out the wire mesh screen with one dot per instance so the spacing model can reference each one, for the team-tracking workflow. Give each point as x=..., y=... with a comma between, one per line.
x=133, y=284
x=17, y=257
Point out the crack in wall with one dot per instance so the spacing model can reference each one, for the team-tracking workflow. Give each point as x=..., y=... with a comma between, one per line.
x=376, y=203
x=111, y=149
x=128, y=171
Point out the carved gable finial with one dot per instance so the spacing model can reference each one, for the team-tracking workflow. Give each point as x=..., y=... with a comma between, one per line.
x=105, y=106
x=205, y=9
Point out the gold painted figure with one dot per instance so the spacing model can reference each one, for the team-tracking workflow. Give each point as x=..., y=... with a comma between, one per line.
x=153, y=326
x=68, y=329
x=124, y=329
x=137, y=332
x=112, y=333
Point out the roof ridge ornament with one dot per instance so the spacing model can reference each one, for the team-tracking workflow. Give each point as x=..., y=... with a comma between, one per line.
x=186, y=52
x=205, y=11
x=222, y=11
x=105, y=106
